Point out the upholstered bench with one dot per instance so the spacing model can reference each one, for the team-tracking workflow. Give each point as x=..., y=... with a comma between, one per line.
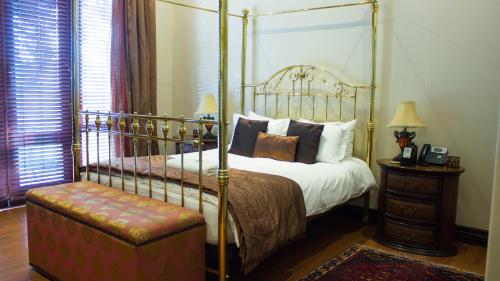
x=87, y=231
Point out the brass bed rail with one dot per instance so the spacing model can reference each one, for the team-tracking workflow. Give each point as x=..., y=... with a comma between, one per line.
x=114, y=125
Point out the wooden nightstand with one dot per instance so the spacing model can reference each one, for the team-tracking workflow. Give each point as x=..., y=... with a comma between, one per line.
x=417, y=208
x=191, y=147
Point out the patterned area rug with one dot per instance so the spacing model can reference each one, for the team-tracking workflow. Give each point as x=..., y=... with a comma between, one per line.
x=363, y=263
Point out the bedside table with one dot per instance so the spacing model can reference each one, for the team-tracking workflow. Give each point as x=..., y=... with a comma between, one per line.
x=189, y=146
x=417, y=208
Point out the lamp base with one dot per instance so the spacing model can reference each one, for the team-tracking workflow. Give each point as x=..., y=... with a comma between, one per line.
x=209, y=136
x=403, y=139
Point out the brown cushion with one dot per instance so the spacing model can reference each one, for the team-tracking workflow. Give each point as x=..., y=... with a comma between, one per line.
x=245, y=136
x=309, y=136
x=275, y=147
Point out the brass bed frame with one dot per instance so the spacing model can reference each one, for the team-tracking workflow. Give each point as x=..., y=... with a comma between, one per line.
x=300, y=77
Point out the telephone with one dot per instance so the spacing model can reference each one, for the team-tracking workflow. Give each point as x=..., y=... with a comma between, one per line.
x=434, y=155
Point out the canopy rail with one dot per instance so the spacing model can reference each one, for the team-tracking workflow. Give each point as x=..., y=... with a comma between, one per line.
x=198, y=8
x=274, y=13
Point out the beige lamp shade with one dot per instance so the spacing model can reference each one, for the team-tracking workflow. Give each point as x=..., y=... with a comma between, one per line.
x=207, y=105
x=406, y=116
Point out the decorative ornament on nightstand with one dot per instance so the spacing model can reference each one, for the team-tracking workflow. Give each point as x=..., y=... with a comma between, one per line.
x=405, y=117
x=207, y=108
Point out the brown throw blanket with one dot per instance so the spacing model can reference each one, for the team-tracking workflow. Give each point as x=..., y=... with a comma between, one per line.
x=268, y=210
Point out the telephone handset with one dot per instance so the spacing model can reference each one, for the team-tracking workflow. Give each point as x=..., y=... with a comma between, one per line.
x=434, y=155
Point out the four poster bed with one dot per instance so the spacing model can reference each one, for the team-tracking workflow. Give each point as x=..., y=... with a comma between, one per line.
x=201, y=180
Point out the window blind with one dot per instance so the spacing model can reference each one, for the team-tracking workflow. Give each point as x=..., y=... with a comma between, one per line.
x=35, y=102
x=94, y=69
x=4, y=190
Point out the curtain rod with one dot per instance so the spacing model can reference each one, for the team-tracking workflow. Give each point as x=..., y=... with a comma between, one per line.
x=198, y=8
x=369, y=2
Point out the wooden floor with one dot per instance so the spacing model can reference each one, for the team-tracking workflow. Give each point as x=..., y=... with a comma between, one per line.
x=326, y=238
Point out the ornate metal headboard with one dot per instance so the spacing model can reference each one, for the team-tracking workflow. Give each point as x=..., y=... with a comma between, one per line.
x=314, y=93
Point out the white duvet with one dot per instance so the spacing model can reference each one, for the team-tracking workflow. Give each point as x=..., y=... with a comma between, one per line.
x=324, y=185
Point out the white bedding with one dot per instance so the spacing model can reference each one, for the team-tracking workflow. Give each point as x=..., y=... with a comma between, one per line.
x=324, y=185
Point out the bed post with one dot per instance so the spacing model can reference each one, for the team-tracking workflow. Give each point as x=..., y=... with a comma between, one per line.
x=244, y=59
x=223, y=173
x=371, y=125
x=75, y=92
x=373, y=87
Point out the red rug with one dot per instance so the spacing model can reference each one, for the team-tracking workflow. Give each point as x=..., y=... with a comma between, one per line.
x=363, y=263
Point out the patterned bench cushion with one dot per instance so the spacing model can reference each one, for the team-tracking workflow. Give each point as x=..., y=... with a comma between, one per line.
x=132, y=218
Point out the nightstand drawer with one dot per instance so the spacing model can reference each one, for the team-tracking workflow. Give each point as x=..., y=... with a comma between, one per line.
x=426, y=213
x=409, y=235
x=413, y=184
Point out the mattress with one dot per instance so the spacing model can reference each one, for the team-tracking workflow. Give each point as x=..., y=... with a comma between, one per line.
x=324, y=185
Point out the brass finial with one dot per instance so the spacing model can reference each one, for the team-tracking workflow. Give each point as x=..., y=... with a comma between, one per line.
x=135, y=125
x=245, y=13
x=109, y=122
x=165, y=128
x=98, y=121
x=182, y=129
x=150, y=127
x=122, y=123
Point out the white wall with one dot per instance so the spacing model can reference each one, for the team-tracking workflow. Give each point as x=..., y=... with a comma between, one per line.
x=165, y=70
x=441, y=54
x=164, y=54
x=493, y=257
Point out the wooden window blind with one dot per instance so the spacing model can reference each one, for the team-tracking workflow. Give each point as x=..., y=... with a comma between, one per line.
x=35, y=95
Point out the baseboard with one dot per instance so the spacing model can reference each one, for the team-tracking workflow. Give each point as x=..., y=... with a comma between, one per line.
x=465, y=234
x=11, y=202
x=4, y=203
x=471, y=235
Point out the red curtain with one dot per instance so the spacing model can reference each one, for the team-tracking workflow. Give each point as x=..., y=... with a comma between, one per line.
x=133, y=61
x=35, y=96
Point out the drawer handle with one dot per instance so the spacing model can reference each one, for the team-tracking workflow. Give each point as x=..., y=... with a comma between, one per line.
x=404, y=237
x=411, y=186
x=408, y=211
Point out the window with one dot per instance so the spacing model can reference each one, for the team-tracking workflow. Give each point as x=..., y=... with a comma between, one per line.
x=35, y=95
x=94, y=68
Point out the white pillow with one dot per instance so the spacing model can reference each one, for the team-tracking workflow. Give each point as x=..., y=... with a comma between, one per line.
x=275, y=126
x=349, y=128
x=332, y=147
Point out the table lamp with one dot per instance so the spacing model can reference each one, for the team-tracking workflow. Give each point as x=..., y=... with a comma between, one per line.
x=207, y=108
x=405, y=117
